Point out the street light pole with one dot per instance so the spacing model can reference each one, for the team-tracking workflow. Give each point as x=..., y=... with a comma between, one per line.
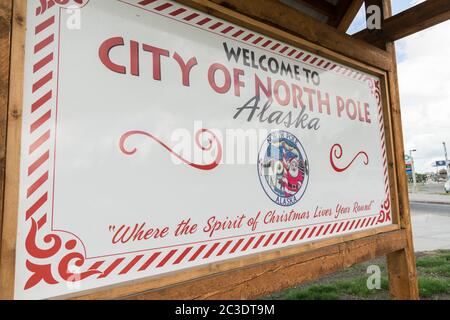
x=447, y=164
x=413, y=169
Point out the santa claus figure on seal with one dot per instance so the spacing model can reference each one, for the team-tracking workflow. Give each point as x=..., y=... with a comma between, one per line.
x=292, y=178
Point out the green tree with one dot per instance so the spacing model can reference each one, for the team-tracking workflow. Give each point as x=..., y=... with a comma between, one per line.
x=421, y=178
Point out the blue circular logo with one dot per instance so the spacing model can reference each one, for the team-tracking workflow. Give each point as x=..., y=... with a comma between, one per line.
x=283, y=168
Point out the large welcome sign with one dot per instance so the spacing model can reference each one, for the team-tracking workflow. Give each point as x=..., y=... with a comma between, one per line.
x=157, y=138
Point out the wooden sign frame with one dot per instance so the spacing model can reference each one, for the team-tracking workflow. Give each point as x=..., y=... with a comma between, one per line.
x=254, y=275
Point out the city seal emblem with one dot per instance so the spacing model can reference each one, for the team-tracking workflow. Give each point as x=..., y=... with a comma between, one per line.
x=283, y=168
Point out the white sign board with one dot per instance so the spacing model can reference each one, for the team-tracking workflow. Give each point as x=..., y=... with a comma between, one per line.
x=158, y=138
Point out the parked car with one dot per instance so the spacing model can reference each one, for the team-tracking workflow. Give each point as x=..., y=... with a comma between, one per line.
x=447, y=186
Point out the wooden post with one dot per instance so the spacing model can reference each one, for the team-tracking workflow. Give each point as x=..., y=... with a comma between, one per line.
x=401, y=264
x=17, y=9
x=5, y=51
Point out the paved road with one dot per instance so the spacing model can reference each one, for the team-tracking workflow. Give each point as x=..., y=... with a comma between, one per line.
x=432, y=187
x=430, y=208
x=429, y=187
x=431, y=226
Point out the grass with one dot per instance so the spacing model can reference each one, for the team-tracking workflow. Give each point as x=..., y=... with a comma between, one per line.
x=315, y=292
x=435, y=265
x=433, y=269
x=354, y=288
x=431, y=287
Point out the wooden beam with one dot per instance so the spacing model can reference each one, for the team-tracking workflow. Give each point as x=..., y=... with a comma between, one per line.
x=321, y=6
x=347, y=12
x=408, y=22
x=262, y=279
x=257, y=14
x=5, y=54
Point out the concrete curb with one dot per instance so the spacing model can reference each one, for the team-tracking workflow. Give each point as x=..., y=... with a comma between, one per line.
x=430, y=202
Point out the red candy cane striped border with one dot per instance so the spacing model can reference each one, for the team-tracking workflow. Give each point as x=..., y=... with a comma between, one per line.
x=222, y=28
x=43, y=244
x=385, y=213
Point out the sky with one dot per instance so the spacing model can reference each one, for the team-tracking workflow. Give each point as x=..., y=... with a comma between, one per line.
x=424, y=81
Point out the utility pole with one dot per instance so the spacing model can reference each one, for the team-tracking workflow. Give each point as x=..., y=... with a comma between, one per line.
x=413, y=169
x=447, y=164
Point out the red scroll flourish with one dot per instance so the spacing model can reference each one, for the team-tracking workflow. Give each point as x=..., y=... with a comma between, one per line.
x=211, y=141
x=44, y=272
x=336, y=153
x=47, y=4
x=385, y=212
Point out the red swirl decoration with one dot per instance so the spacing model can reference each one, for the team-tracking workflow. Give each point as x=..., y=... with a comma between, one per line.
x=41, y=253
x=213, y=140
x=43, y=272
x=47, y=4
x=385, y=212
x=336, y=153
